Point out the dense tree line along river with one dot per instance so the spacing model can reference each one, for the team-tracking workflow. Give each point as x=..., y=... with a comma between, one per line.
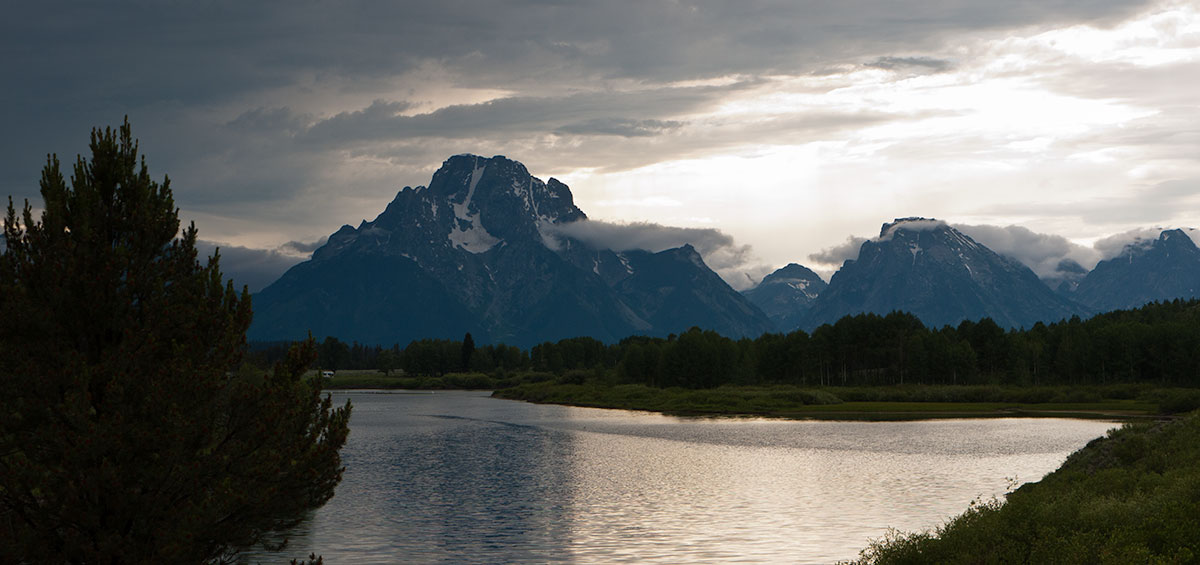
x=452, y=477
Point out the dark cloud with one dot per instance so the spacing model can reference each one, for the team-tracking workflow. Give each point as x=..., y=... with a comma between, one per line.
x=302, y=249
x=270, y=120
x=620, y=126
x=591, y=112
x=261, y=110
x=256, y=268
x=735, y=263
x=928, y=64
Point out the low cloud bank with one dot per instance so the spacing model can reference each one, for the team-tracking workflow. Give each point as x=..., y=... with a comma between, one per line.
x=831, y=258
x=1051, y=257
x=735, y=263
x=1113, y=245
x=257, y=268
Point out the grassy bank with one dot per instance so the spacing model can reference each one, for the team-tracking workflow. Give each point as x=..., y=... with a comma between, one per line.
x=1132, y=497
x=894, y=402
x=372, y=379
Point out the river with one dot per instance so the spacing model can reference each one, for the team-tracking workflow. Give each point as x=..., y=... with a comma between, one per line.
x=459, y=477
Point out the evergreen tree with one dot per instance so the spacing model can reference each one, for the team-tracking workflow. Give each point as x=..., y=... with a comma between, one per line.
x=127, y=436
x=468, y=349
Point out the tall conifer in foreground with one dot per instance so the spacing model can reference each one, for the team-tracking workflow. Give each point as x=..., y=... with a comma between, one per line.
x=126, y=433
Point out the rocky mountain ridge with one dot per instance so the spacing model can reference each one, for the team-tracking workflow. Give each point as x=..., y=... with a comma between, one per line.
x=472, y=252
x=1163, y=268
x=941, y=275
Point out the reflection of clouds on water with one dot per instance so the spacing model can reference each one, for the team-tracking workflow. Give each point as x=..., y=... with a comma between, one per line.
x=423, y=485
x=459, y=477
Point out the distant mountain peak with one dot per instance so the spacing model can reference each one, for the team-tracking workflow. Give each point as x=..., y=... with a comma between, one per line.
x=786, y=295
x=1146, y=270
x=929, y=268
x=795, y=275
x=475, y=244
x=912, y=223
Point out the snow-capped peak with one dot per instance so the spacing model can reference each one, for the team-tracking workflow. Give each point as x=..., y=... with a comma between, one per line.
x=467, y=233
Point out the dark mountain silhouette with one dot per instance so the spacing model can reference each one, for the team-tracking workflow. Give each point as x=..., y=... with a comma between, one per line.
x=473, y=252
x=942, y=276
x=786, y=295
x=1145, y=271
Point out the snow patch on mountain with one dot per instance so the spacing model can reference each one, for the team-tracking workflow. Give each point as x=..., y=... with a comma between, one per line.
x=473, y=238
x=467, y=232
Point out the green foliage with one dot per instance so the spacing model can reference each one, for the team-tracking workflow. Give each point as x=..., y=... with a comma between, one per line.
x=1133, y=497
x=723, y=400
x=1155, y=345
x=128, y=435
x=871, y=403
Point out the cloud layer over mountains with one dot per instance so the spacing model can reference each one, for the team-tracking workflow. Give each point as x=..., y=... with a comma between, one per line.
x=784, y=124
x=735, y=263
x=1049, y=256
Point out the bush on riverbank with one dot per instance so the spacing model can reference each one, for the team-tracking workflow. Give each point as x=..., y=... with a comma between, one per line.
x=1009, y=394
x=1132, y=497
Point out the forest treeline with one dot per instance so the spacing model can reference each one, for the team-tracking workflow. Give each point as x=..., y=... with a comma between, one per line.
x=1158, y=343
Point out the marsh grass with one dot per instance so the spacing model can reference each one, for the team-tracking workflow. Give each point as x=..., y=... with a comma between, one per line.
x=1131, y=497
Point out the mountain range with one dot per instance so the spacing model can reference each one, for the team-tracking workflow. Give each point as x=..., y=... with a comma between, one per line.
x=476, y=251
x=941, y=275
x=1145, y=271
x=481, y=249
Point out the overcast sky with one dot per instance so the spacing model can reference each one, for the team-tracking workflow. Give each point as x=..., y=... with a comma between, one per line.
x=779, y=130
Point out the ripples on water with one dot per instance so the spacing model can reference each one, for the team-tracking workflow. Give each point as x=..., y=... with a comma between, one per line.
x=464, y=478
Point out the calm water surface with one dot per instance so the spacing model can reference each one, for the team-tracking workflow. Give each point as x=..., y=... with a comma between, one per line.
x=459, y=477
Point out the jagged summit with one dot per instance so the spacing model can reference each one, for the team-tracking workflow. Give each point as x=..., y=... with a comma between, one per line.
x=471, y=252
x=914, y=223
x=1145, y=270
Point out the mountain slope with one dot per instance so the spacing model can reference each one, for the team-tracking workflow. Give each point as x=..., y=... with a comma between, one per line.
x=473, y=252
x=1145, y=271
x=942, y=276
x=786, y=295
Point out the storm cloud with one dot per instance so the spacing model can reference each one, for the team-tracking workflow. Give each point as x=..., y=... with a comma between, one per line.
x=256, y=268
x=280, y=122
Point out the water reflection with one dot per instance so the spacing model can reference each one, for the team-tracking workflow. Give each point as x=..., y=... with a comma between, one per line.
x=460, y=477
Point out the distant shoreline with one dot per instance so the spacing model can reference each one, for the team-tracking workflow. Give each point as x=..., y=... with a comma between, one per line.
x=891, y=402
x=877, y=403
x=881, y=411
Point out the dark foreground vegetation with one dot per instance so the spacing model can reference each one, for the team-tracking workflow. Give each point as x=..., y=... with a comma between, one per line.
x=1133, y=497
x=1156, y=344
x=1138, y=361
x=871, y=403
x=126, y=434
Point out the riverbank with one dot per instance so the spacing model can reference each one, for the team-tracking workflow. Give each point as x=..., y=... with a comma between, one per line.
x=1131, y=497
x=362, y=379
x=859, y=403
